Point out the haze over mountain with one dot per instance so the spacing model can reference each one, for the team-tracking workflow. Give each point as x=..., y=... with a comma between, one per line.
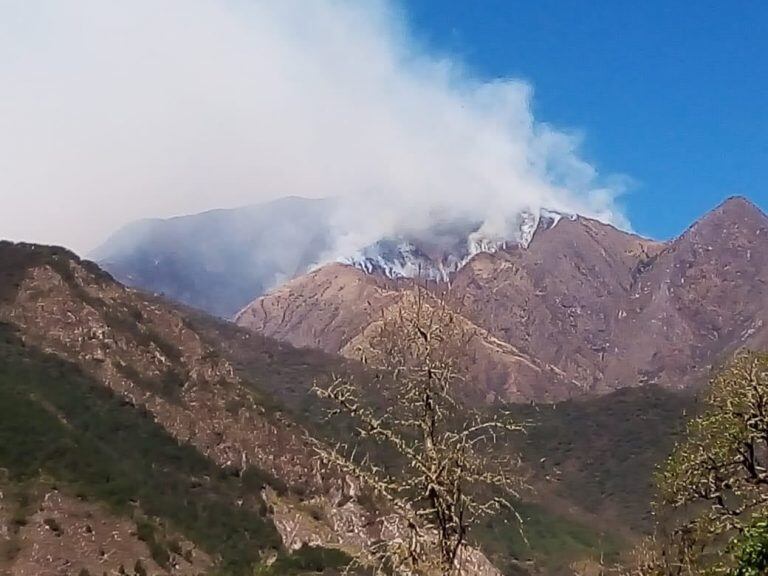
x=219, y=261
x=208, y=104
x=583, y=308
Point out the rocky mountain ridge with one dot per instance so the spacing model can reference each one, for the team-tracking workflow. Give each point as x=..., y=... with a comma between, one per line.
x=437, y=254
x=584, y=308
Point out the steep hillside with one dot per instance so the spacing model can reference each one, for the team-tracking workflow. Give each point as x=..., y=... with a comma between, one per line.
x=594, y=309
x=135, y=430
x=702, y=297
x=599, y=452
x=114, y=408
x=336, y=309
x=141, y=433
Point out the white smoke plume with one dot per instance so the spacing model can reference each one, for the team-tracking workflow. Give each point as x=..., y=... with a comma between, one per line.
x=113, y=111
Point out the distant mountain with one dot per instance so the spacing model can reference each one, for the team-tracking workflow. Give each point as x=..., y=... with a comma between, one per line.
x=220, y=260
x=563, y=306
x=580, y=308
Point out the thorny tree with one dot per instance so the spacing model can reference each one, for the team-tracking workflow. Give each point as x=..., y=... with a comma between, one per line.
x=450, y=474
x=713, y=497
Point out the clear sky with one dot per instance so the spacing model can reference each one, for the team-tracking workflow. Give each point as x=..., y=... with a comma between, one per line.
x=672, y=93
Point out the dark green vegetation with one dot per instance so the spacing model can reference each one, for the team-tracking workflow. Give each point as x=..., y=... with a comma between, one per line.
x=601, y=452
x=56, y=422
x=310, y=560
x=750, y=550
x=16, y=259
x=548, y=540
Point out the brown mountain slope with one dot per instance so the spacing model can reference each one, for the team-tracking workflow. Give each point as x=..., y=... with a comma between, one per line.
x=182, y=435
x=116, y=400
x=342, y=299
x=596, y=308
x=702, y=297
x=557, y=299
x=337, y=307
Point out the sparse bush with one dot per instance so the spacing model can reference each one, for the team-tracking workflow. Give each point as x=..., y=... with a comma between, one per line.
x=713, y=491
x=309, y=558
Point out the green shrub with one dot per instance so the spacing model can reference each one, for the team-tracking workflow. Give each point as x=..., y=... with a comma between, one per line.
x=310, y=558
x=750, y=551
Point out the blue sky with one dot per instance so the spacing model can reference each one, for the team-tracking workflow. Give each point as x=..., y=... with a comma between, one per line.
x=674, y=94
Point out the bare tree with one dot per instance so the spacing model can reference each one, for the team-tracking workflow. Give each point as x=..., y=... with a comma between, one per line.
x=450, y=473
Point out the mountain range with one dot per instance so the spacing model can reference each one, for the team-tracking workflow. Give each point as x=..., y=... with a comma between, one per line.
x=139, y=436
x=140, y=433
x=220, y=260
x=581, y=308
x=568, y=306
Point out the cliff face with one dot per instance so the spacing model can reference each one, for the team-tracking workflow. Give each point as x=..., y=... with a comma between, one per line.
x=592, y=308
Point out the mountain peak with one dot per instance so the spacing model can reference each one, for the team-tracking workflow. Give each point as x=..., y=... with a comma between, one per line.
x=734, y=218
x=735, y=208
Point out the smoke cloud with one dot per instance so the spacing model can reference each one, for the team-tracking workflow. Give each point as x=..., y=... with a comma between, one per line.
x=113, y=111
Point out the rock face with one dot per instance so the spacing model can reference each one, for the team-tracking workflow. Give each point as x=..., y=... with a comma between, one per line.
x=585, y=307
x=142, y=355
